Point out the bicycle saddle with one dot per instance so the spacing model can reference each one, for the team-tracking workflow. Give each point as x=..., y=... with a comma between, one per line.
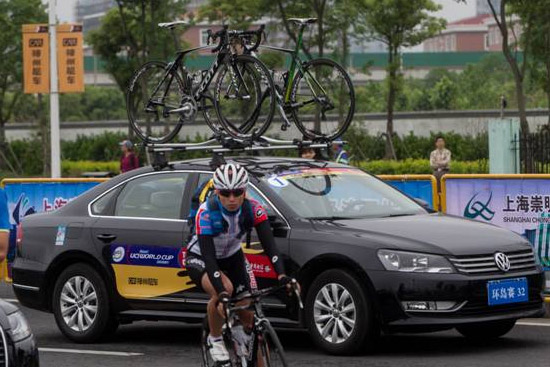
x=302, y=21
x=173, y=24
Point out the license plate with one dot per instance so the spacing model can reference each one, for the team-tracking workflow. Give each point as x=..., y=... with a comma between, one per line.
x=500, y=292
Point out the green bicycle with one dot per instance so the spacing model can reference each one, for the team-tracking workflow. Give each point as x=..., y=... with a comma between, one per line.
x=317, y=94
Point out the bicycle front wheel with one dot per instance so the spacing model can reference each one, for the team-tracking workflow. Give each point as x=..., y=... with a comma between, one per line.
x=322, y=99
x=244, y=98
x=270, y=349
x=152, y=94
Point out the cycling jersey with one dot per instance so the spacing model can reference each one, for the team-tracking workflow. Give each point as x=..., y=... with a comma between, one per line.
x=208, y=246
x=229, y=242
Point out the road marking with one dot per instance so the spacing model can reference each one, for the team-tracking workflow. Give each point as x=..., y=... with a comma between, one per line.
x=531, y=323
x=95, y=352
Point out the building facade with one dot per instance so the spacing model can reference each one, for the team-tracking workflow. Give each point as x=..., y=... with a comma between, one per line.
x=465, y=35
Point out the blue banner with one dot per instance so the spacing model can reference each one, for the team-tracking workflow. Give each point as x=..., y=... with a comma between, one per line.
x=25, y=198
x=418, y=189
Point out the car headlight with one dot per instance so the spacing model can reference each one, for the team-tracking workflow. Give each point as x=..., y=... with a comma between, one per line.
x=19, y=326
x=413, y=262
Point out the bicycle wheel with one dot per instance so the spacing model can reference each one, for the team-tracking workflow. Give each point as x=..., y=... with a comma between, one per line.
x=151, y=94
x=322, y=99
x=270, y=348
x=244, y=98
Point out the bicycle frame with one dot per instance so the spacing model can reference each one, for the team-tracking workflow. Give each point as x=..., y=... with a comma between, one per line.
x=296, y=62
x=178, y=66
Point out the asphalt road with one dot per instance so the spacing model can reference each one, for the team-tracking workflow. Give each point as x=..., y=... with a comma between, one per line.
x=163, y=344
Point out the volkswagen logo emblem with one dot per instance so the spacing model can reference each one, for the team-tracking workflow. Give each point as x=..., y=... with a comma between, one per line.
x=502, y=261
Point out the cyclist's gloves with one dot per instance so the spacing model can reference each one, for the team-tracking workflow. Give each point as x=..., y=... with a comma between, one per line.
x=223, y=297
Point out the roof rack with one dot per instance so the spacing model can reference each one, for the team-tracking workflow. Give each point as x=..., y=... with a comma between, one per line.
x=218, y=145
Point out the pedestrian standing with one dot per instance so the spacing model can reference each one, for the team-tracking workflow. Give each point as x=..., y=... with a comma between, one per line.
x=129, y=159
x=340, y=155
x=4, y=225
x=440, y=160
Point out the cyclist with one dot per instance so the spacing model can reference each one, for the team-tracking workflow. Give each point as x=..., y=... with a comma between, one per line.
x=214, y=257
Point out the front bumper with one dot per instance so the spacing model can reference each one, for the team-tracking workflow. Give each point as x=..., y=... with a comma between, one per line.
x=24, y=353
x=469, y=293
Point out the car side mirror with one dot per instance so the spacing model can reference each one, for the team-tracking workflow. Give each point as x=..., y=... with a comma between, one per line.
x=424, y=204
x=280, y=228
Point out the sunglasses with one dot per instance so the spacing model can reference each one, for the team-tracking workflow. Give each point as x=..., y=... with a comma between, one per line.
x=227, y=193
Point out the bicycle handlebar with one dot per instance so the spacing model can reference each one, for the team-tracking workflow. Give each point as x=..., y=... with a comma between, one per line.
x=214, y=36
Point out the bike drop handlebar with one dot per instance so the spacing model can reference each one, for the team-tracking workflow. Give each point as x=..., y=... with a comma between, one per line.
x=221, y=34
x=224, y=35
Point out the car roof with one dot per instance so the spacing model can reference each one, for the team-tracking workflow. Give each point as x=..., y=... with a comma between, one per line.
x=256, y=165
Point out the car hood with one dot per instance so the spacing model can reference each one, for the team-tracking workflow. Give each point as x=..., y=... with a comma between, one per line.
x=432, y=233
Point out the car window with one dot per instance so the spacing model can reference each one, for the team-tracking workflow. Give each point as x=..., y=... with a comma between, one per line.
x=152, y=196
x=251, y=193
x=101, y=206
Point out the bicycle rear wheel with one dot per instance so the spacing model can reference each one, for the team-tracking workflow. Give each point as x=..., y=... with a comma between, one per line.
x=270, y=347
x=152, y=94
x=322, y=99
x=244, y=98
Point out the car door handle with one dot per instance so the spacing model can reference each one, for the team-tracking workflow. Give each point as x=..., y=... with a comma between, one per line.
x=106, y=237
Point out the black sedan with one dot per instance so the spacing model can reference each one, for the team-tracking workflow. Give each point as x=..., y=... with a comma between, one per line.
x=17, y=344
x=369, y=258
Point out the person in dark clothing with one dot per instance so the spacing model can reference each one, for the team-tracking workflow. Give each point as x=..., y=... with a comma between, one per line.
x=129, y=159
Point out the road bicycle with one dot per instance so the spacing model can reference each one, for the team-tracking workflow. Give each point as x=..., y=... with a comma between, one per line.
x=317, y=94
x=264, y=347
x=161, y=96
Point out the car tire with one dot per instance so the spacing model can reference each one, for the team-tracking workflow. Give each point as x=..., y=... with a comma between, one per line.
x=355, y=306
x=80, y=303
x=486, y=330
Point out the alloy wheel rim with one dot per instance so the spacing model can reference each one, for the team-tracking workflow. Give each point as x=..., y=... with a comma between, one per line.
x=334, y=313
x=78, y=301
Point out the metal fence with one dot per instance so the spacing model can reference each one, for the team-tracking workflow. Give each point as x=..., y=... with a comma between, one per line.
x=534, y=151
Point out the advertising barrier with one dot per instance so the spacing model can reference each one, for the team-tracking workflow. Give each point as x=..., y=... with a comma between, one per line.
x=520, y=203
x=28, y=196
x=417, y=186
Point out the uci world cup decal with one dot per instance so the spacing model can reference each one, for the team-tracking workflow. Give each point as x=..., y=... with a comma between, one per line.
x=479, y=208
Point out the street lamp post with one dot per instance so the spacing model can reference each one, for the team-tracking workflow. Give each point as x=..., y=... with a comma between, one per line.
x=54, y=95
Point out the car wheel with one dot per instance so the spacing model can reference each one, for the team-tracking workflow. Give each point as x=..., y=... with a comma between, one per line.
x=486, y=330
x=80, y=305
x=339, y=314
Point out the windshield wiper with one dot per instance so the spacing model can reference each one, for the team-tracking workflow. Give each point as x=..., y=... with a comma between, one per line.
x=399, y=215
x=330, y=218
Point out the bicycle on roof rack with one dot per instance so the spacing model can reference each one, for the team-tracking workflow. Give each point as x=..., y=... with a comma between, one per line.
x=162, y=97
x=317, y=94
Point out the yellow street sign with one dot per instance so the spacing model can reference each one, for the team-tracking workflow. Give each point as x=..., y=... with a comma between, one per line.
x=70, y=58
x=36, y=58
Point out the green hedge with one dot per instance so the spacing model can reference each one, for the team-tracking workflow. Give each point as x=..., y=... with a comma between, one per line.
x=76, y=168
x=420, y=166
x=379, y=167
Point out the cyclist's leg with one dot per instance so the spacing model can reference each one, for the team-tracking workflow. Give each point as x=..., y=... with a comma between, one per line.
x=238, y=270
x=197, y=271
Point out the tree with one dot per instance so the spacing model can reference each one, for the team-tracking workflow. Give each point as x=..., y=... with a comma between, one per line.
x=13, y=14
x=539, y=44
x=129, y=36
x=399, y=23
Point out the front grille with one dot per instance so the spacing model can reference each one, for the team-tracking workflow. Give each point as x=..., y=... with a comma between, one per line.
x=3, y=349
x=484, y=264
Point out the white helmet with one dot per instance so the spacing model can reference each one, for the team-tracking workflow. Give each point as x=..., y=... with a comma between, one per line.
x=230, y=177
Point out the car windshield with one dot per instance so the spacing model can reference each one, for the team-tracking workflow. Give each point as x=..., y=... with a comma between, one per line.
x=339, y=193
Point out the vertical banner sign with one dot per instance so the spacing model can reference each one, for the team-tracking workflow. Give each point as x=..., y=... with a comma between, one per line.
x=518, y=204
x=70, y=58
x=36, y=58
